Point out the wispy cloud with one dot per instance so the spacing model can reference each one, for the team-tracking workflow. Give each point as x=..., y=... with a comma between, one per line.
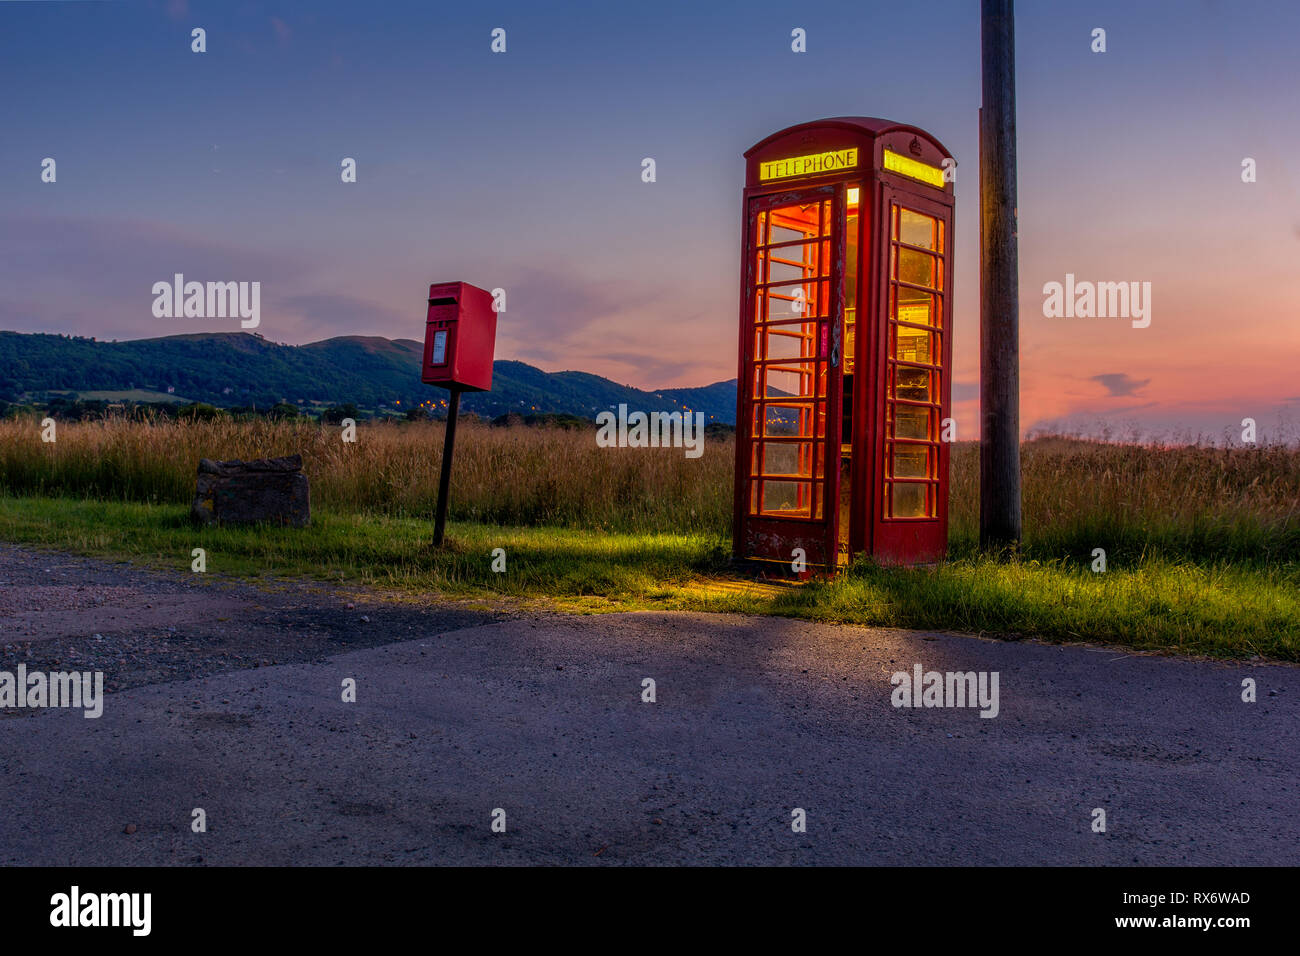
x=1120, y=383
x=560, y=319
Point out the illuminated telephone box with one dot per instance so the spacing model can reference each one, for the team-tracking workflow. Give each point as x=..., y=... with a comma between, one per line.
x=845, y=346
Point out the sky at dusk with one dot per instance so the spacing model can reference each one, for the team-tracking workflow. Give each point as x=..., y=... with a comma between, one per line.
x=522, y=170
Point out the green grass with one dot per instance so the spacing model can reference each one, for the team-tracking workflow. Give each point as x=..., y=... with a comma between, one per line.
x=370, y=550
x=1227, y=610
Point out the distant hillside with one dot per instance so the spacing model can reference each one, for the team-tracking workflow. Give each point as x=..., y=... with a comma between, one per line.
x=239, y=368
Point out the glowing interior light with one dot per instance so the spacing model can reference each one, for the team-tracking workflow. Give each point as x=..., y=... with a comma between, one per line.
x=911, y=168
x=853, y=195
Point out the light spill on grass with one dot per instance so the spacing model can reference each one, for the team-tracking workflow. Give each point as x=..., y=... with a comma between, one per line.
x=1220, y=610
x=1225, y=612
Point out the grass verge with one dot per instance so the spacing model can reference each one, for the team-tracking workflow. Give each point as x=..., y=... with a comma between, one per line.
x=1226, y=610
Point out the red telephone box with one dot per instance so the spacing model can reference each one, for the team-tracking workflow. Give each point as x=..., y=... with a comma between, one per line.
x=845, y=345
x=460, y=333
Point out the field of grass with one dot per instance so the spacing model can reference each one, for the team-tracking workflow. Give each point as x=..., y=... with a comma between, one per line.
x=522, y=476
x=1202, y=543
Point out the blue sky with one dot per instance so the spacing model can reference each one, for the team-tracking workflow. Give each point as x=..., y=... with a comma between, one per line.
x=522, y=170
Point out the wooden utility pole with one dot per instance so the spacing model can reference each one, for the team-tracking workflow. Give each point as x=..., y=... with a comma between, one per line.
x=999, y=284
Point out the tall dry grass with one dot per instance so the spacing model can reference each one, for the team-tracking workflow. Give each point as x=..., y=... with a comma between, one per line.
x=502, y=475
x=1196, y=501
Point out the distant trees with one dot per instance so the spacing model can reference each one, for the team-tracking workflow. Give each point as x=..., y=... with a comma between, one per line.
x=335, y=414
x=198, y=412
x=543, y=420
x=68, y=409
x=216, y=369
x=75, y=410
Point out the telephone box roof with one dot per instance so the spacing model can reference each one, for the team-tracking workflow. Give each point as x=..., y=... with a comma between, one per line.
x=870, y=125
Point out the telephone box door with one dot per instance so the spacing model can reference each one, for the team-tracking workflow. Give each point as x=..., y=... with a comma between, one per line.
x=911, y=515
x=787, y=434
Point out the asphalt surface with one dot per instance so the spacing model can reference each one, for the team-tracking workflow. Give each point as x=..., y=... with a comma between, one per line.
x=460, y=712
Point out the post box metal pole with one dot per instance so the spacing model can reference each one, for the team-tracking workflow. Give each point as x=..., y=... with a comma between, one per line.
x=444, y=479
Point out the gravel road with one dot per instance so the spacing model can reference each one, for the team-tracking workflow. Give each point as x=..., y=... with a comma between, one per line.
x=228, y=698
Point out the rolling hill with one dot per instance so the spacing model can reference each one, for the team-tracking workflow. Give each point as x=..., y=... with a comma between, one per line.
x=239, y=368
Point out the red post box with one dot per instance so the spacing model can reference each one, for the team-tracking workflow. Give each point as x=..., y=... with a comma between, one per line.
x=845, y=373
x=460, y=335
